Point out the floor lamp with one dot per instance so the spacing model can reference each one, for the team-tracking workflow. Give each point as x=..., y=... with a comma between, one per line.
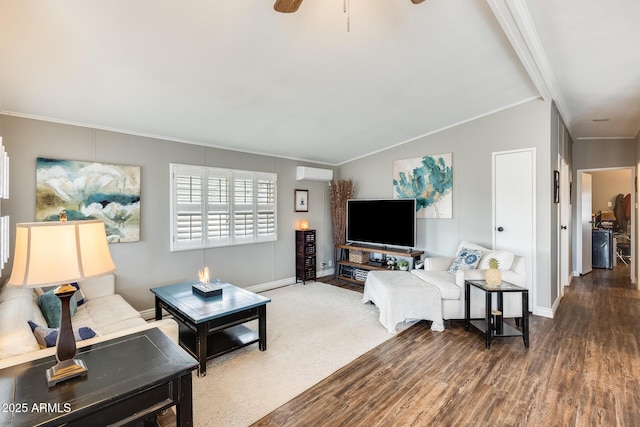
x=60, y=253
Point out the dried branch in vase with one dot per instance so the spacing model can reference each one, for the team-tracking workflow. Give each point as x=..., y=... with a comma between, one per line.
x=339, y=192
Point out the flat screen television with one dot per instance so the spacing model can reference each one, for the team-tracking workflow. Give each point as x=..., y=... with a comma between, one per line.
x=384, y=222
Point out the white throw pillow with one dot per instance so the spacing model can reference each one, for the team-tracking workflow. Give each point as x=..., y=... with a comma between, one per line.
x=505, y=259
x=469, y=245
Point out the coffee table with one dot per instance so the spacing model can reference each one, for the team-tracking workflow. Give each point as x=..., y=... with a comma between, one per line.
x=213, y=326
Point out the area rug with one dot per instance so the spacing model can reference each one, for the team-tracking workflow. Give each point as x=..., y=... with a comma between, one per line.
x=312, y=331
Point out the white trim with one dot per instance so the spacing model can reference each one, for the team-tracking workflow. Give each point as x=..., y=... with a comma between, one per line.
x=272, y=285
x=547, y=312
x=149, y=314
x=479, y=116
x=517, y=24
x=154, y=136
x=598, y=138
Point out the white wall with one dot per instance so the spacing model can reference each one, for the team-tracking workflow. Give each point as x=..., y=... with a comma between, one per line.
x=523, y=126
x=148, y=263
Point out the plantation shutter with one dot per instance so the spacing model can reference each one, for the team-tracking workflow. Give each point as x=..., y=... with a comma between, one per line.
x=187, y=207
x=213, y=207
x=266, y=206
x=243, y=208
x=218, y=207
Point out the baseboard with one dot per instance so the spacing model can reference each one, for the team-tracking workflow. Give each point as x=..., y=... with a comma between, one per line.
x=272, y=285
x=150, y=314
x=327, y=272
x=544, y=312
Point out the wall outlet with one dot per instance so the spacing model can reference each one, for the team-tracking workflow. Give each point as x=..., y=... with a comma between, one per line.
x=323, y=264
x=330, y=263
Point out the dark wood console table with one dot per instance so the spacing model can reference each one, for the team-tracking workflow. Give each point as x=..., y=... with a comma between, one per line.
x=130, y=380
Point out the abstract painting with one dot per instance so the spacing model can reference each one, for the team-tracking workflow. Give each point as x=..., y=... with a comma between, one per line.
x=89, y=190
x=429, y=180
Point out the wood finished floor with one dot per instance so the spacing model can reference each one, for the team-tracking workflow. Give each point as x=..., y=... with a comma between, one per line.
x=582, y=369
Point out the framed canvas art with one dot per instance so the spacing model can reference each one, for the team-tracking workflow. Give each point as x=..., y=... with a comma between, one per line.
x=429, y=180
x=90, y=190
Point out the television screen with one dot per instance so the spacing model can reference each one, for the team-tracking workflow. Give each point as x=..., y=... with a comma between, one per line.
x=386, y=222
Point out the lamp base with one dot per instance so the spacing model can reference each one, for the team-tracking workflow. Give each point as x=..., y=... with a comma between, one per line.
x=65, y=370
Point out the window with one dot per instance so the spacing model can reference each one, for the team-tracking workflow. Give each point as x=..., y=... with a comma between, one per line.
x=213, y=207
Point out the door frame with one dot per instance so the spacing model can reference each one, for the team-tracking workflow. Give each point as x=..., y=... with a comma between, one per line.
x=634, y=230
x=564, y=235
x=533, y=307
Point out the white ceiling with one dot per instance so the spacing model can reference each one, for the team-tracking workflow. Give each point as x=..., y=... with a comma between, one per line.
x=236, y=74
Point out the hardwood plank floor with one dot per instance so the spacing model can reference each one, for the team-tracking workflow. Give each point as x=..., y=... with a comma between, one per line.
x=582, y=369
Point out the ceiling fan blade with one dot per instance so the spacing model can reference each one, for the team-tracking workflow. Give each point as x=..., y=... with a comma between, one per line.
x=287, y=6
x=416, y=1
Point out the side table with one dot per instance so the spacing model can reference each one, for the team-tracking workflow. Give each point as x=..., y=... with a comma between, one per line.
x=130, y=380
x=500, y=329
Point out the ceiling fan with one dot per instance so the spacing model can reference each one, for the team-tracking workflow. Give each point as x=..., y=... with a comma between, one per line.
x=290, y=6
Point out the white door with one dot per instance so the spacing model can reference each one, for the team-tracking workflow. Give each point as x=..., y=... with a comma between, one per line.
x=564, y=263
x=586, y=224
x=514, y=207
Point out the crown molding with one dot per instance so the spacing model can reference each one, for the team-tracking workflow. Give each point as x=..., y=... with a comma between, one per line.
x=517, y=24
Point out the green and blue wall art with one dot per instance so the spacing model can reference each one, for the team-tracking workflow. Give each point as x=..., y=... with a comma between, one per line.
x=429, y=180
x=89, y=190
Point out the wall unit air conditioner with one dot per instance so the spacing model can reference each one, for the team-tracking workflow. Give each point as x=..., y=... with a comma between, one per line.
x=313, y=174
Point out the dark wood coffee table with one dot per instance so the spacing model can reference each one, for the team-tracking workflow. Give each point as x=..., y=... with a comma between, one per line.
x=130, y=380
x=211, y=327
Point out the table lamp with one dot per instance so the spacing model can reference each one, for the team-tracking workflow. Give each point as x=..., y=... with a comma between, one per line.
x=60, y=253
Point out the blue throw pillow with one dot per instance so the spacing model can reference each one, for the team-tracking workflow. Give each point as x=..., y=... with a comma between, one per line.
x=47, y=337
x=467, y=259
x=79, y=296
x=51, y=307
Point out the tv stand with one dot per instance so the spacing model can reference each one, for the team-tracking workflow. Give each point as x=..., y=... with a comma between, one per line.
x=345, y=268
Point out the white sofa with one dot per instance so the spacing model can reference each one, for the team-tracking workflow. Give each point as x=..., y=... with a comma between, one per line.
x=104, y=311
x=451, y=286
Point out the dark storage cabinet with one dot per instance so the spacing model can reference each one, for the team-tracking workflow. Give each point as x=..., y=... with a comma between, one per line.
x=305, y=255
x=602, y=248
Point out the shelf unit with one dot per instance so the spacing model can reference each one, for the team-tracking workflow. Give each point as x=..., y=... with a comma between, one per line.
x=305, y=255
x=345, y=268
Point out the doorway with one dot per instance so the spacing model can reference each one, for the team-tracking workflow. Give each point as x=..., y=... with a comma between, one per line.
x=597, y=192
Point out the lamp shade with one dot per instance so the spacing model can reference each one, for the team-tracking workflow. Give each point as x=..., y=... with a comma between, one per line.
x=51, y=253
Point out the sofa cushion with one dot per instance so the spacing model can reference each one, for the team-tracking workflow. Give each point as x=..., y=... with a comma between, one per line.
x=505, y=259
x=102, y=312
x=11, y=292
x=51, y=307
x=15, y=335
x=443, y=280
x=79, y=296
x=48, y=337
x=466, y=259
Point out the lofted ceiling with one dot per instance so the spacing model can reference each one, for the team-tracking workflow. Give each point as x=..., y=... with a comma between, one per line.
x=319, y=84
